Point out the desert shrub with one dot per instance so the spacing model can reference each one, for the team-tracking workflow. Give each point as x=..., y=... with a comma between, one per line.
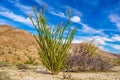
x=68, y=76
x=4, y=76
x=54, y=43
x=86, y=59
x=31, y=60
x=116, y=62
x=99, y=64
x=4, y=64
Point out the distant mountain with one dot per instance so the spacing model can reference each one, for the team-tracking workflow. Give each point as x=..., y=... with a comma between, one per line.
x=117, y=55
x=110, y=55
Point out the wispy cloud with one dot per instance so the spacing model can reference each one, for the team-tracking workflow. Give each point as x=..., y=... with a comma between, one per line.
x=77, y=41
x=55, y=12
x=42, y=3
x=116, y=37
x=24, y=8
x=87, y=29
x=117, y=47
x=52, y=10
x=4, y=9
x=59, y=14
x=74, y=11
x=100, y=40
x=16, y=17
x=115, y=19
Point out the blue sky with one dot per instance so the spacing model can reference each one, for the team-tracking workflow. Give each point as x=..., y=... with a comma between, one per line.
x=94, y=19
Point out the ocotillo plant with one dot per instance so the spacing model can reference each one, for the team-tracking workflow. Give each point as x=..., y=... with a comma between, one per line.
x=54, y=43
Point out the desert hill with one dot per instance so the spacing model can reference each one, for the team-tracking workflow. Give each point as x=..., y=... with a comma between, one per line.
x=17, y=45
x=117, y=55
x=16, y=38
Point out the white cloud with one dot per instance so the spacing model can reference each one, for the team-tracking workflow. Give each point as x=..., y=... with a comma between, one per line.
x=100, y=40
x=89, y=30
x=75, y=19
x=19, y=18
x=25, y=8
x=15, y=17
x=117, y=47
x=51, y=10
x=116, y=37
x=115, y=19
x=59, y=14
x=55, y=12
x=42, y=3
x=77, y=41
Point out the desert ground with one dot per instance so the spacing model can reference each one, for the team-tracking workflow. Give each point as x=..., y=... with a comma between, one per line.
x=40, y=73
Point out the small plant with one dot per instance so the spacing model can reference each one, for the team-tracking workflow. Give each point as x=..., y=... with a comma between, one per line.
x=116, y=62
x=31, y=60
x=68, y=76
x=53, y=44
x=22, y=66
x=4, y=76
x=4, y=64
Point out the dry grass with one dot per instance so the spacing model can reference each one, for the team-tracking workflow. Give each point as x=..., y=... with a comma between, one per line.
x=4, y=76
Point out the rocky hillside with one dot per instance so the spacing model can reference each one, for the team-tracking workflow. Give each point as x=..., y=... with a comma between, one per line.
x=16, y=45
x=16, y=38
x=117, y=55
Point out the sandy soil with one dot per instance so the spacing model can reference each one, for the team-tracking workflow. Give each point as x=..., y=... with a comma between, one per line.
x=42, y=74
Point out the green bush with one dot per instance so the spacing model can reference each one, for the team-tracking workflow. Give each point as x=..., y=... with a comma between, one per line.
x=54, y=43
